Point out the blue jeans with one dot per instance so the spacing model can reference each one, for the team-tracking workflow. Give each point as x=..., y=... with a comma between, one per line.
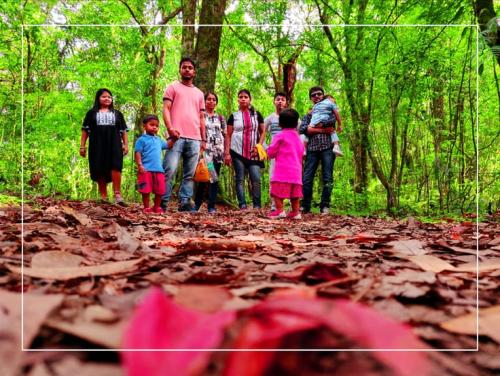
x=313, y=158
x=239, y=177
x=212, y=190
x=189, y=150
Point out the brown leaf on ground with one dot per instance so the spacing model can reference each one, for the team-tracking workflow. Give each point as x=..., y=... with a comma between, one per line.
x=315, y=273
x=67, y=273
x=489, y=323
x=55, y=259
x=202, y=298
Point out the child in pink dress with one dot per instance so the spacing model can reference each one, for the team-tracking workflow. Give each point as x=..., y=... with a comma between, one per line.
x=287, y=150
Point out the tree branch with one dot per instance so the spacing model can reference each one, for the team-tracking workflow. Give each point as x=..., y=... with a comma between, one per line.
x=167, y=17
x=144, y=31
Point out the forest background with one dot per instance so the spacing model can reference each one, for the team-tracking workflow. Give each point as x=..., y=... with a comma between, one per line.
x=414, y=99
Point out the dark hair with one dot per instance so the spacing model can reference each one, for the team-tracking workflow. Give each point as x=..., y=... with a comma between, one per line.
x=149, y=118
x=187, y=58
x=315, y=88
x=212, y=93
x=289, y=118
x=97, y=104
x=281, y=94
x=246, y=92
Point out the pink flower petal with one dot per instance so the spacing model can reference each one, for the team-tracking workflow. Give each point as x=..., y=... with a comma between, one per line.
x=159, y=323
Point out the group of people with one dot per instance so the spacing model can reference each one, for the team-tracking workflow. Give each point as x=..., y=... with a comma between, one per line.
x=195, y=130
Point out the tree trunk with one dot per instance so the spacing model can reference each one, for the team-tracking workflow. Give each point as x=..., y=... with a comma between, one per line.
x=486, y=18
x=208, y=43
x=290, y=74
x=188, y=30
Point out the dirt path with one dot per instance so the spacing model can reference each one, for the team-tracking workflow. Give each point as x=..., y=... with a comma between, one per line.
x=86, y=266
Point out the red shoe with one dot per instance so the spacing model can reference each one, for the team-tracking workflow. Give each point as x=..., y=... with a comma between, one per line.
x=294, y=215
x=148, y=210
x=158, y=210
x=276, y=214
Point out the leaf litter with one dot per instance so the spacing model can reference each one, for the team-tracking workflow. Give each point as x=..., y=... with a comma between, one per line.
x=239, y=280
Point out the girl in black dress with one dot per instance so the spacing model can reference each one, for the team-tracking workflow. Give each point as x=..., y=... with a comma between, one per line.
x=107, y=133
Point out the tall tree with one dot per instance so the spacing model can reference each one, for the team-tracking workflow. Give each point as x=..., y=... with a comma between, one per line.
x=489, y=25
x=208, y=43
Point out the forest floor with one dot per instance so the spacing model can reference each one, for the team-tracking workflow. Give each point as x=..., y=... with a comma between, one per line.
x=88, y=265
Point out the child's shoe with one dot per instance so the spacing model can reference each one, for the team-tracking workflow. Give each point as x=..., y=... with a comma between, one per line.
x=148, y=210
x=337, y=151
x=294, y=215
x=158, y=210
x=276, y=214
x=325, y=211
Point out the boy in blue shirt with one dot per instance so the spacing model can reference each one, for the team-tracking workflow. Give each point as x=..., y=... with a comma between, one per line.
x=148, y=156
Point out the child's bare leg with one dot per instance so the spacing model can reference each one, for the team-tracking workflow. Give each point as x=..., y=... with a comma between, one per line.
x=116, y=178
x=279, y=203
x=295, y=205
x=157, y=201
x=102, y=185
x=145, y=200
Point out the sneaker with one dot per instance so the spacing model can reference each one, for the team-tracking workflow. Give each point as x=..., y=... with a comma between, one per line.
x=337, y=151
x=276, y=214
x=294, y=215
x=243, y=207
x=186, y=207
x=212, y=210
x=325, y=210
x=119, y=200
x=158, y=210
x=148, y=210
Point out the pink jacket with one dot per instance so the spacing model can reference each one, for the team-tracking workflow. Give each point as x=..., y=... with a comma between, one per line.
x=287, y=149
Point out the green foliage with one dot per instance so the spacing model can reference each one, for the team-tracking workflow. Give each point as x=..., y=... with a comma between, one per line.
x=419, y=84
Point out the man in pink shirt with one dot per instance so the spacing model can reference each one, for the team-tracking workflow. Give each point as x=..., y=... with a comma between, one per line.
x=184, y=117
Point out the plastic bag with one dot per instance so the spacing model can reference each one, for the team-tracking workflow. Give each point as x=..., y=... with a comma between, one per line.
x=213, y=174
x=201, y=174
x=262, y=152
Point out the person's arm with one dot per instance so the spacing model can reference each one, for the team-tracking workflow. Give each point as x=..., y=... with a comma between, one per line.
x=313, y=130
x=138, y=161
x=303, y=129
x=125, y=142
x=203, y=132
x=272, y=150
x=167, y=119
x=83, y=141
x=262, y=133
x=227, y=145
x=339, y=121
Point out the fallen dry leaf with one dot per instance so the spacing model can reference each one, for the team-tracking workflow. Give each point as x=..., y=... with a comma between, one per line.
x=68, y=273
x=55, y=259
x=36, y=309
x=202, y=298
x=107, y=335
x=80, y=217
x=411, y=247
x=489, y=323
x=431, y=263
